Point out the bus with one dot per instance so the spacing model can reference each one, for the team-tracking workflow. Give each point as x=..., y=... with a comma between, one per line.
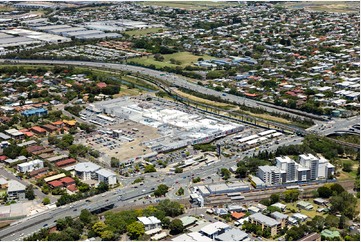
x=293, y=187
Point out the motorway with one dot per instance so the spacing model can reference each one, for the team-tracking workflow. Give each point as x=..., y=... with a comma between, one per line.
x=176, y=81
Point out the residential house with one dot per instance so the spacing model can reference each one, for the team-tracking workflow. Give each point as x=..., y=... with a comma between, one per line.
x=280, y=206
x=214, y=229
x=232, y=235
x=150, y=222
x=304, y=205
x=330, y=235
x=38, y=130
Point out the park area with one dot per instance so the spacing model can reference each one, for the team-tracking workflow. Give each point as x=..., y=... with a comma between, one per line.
x=183, y=58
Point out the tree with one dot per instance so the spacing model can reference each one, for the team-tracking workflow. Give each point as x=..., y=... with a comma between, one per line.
x=114, y=162
x=272, y=209
x=274, y=198
x=196, y=180
x=102, y=187
x=29, y=192
x=158, y=57
x=344, y=203
x=161, y=190
x=180, y=191
x=324, y=192
x=332, y=221
x=165, y=223
x=46, y=201
x=342, y=223
x=225, y=173
x=61, y=224
x=85, y=216
x=337, y=188
x=135, y=230
x=171, y=208
x=99, y=227
x=178, y=170
x=291, y=195
x=149, y=169
x=176, y=226
x=242, y=171
x=107, y=235
x=347, y=166
x=317, y=223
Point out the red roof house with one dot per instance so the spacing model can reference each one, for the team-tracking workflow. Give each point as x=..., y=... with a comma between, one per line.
x=67, y=181
x=55, y=184
x=101, y=85
x=237, y=215
x=65, y=162
x=72, y=188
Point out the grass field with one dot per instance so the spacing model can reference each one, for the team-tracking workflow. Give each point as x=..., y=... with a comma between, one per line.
x=186, y=58
x=202, y=100
x=196, y=5
x=268, y=117
x=141, y=32
x=125, y=91
x=310, y=213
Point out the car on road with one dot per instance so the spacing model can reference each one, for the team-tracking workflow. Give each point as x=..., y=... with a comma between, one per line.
x=45, y=225
x=88, y=201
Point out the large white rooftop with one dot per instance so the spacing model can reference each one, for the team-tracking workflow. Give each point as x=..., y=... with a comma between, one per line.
x=86, y=167
x=213, y=228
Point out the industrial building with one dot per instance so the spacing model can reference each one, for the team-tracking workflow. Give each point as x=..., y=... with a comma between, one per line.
x=22, y=37
x=76, y=32
x=177, y=128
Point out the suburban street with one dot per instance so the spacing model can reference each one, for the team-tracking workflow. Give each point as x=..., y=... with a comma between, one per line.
x=177, y=81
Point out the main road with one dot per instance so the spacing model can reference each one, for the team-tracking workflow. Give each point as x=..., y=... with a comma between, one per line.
x=176, y=81
x=129, y=196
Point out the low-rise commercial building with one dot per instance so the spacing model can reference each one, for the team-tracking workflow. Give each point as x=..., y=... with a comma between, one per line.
x=16, y=190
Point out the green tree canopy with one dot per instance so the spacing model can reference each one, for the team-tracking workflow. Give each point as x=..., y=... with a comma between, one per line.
x=135, y=230
x=176, y=226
